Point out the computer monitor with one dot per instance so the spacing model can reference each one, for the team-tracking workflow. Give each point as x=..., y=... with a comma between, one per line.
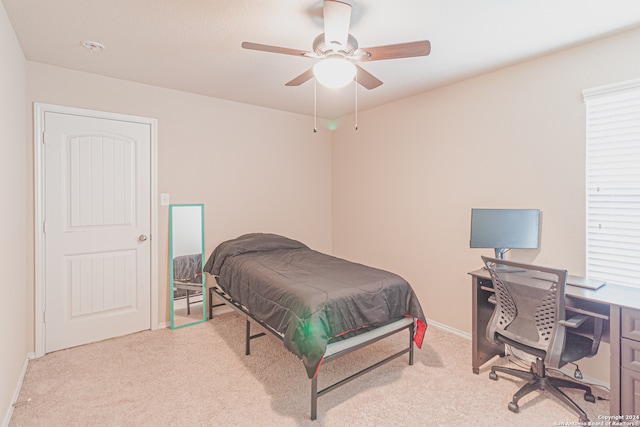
x=504, y=229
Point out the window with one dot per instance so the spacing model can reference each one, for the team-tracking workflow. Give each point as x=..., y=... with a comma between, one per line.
x=613, y=183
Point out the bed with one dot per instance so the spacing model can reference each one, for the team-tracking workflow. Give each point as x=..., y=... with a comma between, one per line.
x=320, y=306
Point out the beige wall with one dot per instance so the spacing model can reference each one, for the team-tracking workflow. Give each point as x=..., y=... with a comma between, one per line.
x=16, y=218
x=405, y=182
x=255, y=169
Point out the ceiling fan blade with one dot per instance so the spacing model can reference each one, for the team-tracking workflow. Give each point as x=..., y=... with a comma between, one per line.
x=366, y=79
x=297, y=81
x=394, y=51
x=275, y=49
x=337, y=18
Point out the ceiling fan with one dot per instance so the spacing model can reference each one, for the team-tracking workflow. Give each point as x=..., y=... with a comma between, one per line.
x=336, y=48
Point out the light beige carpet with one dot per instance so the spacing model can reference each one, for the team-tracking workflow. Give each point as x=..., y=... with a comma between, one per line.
x=199, y=376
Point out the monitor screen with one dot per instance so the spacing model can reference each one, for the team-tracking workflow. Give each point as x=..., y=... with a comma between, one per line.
x=505, y=228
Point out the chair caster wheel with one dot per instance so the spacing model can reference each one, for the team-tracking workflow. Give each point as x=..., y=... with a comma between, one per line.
x=493, y=376
x=513, y=407
x=589, y=397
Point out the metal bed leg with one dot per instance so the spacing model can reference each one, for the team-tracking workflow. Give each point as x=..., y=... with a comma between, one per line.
x=247, y=337
x=211, y=304
x=314, y=397
x=411, y=335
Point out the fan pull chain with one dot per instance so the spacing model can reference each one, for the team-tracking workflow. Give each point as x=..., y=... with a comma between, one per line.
x=356, y=101
x=315, y=105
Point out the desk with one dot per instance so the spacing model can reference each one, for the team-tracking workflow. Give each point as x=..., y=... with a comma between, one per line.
x=619, y=306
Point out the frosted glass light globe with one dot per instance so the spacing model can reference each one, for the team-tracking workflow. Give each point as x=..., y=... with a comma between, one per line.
x=334, y=73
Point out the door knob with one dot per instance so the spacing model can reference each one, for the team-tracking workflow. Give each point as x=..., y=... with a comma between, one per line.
x=142, y=238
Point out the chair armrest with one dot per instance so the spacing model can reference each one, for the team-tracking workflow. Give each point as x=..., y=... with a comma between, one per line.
x=578, y=320
x=575, y=321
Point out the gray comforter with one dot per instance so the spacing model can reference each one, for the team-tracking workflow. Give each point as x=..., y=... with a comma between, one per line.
x=309, y=297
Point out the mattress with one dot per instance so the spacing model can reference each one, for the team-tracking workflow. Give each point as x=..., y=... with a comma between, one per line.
x=310, y=298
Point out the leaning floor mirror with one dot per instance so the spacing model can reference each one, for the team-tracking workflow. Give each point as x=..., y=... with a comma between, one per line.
x=186, y=251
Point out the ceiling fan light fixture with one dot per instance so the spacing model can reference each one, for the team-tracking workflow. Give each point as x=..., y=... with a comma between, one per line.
x=334, y=73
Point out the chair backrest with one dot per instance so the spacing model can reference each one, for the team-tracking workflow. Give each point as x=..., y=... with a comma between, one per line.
x=529, y=306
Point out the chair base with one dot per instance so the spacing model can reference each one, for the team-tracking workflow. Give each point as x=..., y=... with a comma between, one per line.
x=538, y=380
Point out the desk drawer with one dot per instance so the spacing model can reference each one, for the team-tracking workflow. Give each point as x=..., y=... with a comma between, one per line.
x=630, y=354
x=630, y=392
x=630, y=324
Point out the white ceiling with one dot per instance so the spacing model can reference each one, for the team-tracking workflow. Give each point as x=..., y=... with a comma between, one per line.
x=194, y=45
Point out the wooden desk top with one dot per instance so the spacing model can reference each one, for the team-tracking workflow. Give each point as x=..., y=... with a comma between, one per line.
x=623, y=296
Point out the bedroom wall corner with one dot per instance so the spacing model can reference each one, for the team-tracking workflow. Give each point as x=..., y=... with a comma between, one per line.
x=16, y=218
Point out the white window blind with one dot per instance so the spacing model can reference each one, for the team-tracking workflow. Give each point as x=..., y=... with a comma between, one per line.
x=613, y=183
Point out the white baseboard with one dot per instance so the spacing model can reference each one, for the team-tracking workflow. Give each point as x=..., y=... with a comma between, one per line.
x=16, y=392
x=449, y=329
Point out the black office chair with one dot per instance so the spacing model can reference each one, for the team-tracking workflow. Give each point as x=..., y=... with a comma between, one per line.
x=530, y=316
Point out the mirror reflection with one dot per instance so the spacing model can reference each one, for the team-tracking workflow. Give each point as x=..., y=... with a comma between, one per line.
x=186, y=247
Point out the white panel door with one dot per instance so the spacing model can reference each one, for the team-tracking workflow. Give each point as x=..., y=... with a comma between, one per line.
x=97, y=226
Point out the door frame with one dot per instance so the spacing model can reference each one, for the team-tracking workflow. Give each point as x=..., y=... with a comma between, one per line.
x=39, y=110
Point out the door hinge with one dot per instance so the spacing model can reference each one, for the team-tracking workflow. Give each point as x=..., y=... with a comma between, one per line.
x=44, y=316
x=44, y=227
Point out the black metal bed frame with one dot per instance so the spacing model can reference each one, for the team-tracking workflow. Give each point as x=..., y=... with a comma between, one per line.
x=341, y=350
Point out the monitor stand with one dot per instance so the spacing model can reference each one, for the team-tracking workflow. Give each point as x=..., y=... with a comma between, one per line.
x=500, y=252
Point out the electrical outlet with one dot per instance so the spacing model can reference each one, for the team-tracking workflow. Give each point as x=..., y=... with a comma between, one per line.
x=164, y=199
